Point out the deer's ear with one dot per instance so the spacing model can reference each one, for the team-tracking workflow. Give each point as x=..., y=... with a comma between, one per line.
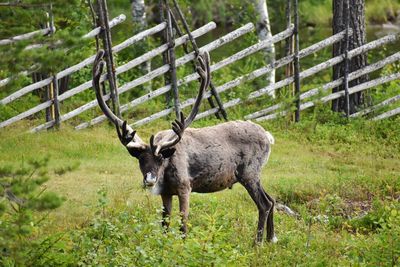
x=166, y=153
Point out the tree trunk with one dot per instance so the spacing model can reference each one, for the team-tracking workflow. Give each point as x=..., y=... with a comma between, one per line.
x=264, y=32
x=357, y=23
x=138, y=10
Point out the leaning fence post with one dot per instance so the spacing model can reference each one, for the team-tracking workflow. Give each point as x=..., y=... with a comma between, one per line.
x=196, y=49
x=296, y=61
x=164, y=54
x=107, y=44
x=346, y=60
x=289, y=47
x=53, y=86
x=171, y=60
x=185, y=48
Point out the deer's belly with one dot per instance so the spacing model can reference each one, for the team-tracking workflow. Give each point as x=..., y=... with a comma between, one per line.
x=213, y=182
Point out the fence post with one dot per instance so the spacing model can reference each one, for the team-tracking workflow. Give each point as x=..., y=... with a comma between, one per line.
x=56, y=103
x=164, y=33
x=296, y=61
x=53, y=89
x=185, y=48
x=107, y=44
x=289, y=47
x=196, y=49
x=346, y=60
x=171, y=60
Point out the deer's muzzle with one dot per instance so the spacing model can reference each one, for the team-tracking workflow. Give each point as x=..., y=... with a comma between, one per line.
x=150, y=179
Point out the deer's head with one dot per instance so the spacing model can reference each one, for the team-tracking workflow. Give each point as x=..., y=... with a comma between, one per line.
x=153, y=157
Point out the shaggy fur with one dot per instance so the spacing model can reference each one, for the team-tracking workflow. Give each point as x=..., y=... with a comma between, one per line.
x=211, y=159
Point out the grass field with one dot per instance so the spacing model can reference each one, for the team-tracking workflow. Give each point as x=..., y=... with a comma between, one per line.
x=343, y=180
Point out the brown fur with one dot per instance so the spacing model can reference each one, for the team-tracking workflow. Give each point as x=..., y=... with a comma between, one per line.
x=211, y=159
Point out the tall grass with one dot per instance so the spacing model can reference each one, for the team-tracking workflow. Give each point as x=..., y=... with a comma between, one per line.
x=341, y=178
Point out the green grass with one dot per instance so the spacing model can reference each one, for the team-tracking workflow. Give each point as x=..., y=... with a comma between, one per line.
x=342, y=179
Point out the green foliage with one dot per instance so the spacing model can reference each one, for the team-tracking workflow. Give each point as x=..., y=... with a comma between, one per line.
x=341, y=176
x=316, y=12
x=24, y=206
x=380, y=11
x=70, y=23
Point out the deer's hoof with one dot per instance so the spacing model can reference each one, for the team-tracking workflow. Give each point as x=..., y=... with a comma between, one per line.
x=274, y=240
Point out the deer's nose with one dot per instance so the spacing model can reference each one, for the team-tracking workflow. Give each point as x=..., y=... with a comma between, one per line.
x=150, y=179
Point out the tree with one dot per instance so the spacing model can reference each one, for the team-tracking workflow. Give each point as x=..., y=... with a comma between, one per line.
x=264, y=32
x=138, y=11
x=358, y=38
x=54, y=51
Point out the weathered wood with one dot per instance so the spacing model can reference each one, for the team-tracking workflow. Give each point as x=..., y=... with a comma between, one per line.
x=211, y=111
x=373, y=108
x=80, y=65
x=194, y=76
x=115, y=21
x=354, y=75
x=159, y=50
x=107, y=45
x=197, y=53
x=26, y=36
x=387, y=114
x=25, y=114
x=302, y=53
x=26, y=90
x=163, y=69
x=137, y=61
x=93, y=33
x=289, y=44
x=254, y=48
x=185, y=104
x=296, y=62
x=56, y=103
x=279, y=63
x=48, y=95
x=121, y=18
x=171, y=58
x=327, y=64
x=35, y=46
x=185, y=48
x=337, y=95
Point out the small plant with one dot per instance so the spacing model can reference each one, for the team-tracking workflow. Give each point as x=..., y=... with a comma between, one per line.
x=24, y=205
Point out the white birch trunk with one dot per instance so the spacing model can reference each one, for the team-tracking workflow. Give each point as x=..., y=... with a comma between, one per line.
x=264, y=32
x=138, y=9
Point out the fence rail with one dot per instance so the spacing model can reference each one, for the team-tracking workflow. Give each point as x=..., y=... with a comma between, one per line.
x=259, y=115
x=153, y=74
x=26, y=36
x=330, y=97
x=93, y=33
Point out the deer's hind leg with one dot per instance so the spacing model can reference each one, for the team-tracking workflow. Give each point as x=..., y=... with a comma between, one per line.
x=270, y=219
x=264, y=206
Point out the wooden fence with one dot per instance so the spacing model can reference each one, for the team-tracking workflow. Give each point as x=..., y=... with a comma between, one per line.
x=266, y=113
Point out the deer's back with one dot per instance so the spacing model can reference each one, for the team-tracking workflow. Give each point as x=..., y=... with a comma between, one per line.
x=216, y=156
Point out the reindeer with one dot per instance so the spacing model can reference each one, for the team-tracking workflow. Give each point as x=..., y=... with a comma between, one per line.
x=205, y=160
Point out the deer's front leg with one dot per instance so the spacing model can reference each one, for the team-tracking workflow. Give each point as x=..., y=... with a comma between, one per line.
x=166, y=213
x=184, y=210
